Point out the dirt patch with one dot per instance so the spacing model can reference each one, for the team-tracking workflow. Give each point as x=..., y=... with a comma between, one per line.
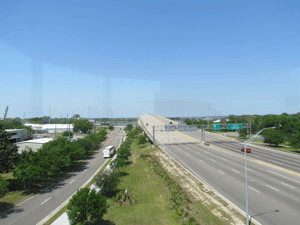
x=199, y=192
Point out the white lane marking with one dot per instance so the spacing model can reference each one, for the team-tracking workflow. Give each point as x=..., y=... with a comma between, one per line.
x=235, y=171
x=201, y=161
x=221, y=172
x=72, y=181
x=46, y=201
x=275, y=189
x=288, y=185
x=224, y=159
x=213, y=160
x=254, y=189
x=283, y=176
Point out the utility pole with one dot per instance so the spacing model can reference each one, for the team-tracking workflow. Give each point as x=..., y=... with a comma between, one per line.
x=49, y=115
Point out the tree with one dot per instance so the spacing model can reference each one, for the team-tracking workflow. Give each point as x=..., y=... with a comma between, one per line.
x=8, y=152
x=243, y=133
x=31, y=170
x=128, y=128
x=119, y=163
x=142, y=140
x=295, y=140
x=273, y=137
x=3, y=187
x=84, y=125
x=107, y=183
x=67, y=134
x=85, y=206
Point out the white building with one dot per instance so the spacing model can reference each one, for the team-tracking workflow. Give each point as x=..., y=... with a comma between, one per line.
x=50, y=128
x=34, y=144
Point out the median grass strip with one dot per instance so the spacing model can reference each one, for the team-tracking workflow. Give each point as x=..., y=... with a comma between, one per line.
x=152, y=204
x=160, y=199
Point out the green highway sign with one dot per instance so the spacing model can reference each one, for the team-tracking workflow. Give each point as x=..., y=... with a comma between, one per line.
x=235, y=127
x=217, y=126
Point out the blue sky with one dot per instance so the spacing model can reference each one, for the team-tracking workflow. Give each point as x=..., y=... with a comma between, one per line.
x=121, y=58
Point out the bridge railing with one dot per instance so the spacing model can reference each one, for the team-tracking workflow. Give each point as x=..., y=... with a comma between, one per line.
x=147, y=132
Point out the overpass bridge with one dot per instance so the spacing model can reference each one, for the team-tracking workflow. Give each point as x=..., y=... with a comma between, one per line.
x=162, y=131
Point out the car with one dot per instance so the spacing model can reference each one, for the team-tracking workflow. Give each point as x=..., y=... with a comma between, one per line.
x=248, y=150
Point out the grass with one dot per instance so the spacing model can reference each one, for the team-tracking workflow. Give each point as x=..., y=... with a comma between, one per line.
x=152, y=206
x=289, y=149
x=13, y=196
x=9, y=199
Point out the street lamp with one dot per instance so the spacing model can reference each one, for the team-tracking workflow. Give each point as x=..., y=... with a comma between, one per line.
x=246, y=178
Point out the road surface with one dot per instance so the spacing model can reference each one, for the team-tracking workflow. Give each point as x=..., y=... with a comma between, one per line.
x=34, y=210
x=273, y=176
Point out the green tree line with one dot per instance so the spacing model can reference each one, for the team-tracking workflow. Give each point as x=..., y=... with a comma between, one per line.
x=288, y=126
x=35, y=169
x=89, y=206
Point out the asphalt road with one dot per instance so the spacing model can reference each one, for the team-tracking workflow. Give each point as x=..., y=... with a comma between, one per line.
x=274, y=195
x=34, y=210
x=273, y=176
x=286, y=160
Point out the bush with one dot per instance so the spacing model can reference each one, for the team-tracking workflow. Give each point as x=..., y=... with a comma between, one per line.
x=107, y=183
x=273, y=137
x=67, y=134
x=85, y=206
x=142, y=140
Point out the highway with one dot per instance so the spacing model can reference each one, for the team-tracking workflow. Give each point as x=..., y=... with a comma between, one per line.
x=35, y=210
x=282, y=159
x=274, y=188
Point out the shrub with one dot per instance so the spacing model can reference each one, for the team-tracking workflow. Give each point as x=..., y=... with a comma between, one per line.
x=107, y=183
x=85, y=206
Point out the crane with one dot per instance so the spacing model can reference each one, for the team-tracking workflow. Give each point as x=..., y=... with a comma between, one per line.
x=5, y=113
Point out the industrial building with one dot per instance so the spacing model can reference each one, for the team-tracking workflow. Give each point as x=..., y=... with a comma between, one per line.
x=50, y=128
x=17, y=134
x=34, y=144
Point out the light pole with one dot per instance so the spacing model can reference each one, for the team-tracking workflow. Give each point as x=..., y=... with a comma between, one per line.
x=246, y=178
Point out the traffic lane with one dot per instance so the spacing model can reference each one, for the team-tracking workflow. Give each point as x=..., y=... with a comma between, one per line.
x=285, y=160
x=231, y=186
x=235, y=165
x=288, y=185
x=230, y=192
x=33, y=211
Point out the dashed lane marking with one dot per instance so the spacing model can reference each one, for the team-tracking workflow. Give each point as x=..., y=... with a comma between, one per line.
x=220, y=171
x=275, y=189
x=254, y=189
x=288, y=185
x=235, y=171
x=46, y=201
x=283, y=176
